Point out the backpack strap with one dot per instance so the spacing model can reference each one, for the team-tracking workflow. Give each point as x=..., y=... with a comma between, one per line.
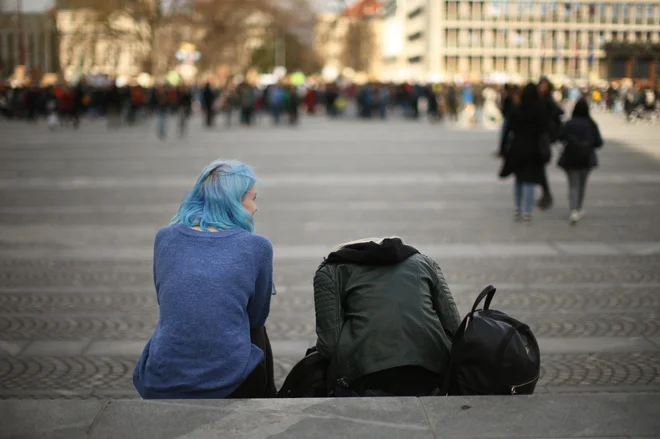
x=488, y=294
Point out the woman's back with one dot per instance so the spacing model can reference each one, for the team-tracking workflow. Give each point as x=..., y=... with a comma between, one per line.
x=212, y=288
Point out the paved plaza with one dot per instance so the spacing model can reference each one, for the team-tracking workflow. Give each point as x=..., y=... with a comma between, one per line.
x=79, y=211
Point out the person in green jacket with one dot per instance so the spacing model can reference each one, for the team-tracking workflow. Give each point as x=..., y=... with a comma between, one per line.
x=385, y=319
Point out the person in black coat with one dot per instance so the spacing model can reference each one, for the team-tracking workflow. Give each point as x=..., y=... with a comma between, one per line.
x=525, y=149
x=553, y=113
x=208, y=100
x=581, y=138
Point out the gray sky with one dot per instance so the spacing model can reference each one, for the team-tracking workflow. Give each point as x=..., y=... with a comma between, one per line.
x=28, y=5
x=43, y=5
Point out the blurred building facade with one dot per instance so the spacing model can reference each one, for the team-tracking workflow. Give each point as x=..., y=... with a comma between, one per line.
x=637, y=62
x=511, y=40
x=349, y=41
x=115, y=45
x=39, y=48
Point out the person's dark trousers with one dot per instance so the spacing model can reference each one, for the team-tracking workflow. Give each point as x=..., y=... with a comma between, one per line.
x=546, y=199
x=261, y=382
x=398, y=381
x=75, y=117
x=209, y=117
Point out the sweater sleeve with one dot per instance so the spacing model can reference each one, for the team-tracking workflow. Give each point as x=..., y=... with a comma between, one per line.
x=259, y=305
x=327, y=304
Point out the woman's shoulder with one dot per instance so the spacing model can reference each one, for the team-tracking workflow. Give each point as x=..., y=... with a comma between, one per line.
x=257, y=240
x=257, y=244
x=165, y=233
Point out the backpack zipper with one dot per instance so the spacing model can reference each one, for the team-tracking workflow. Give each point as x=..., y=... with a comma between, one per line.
x=514, y=387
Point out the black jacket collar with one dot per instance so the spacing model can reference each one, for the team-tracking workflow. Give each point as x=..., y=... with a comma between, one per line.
x=391, y=251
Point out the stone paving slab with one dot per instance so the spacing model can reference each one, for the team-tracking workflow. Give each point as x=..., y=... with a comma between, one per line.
x=605, y=298
x=286, y=253
x=547, y=416
x=288, y=324
x=81, y=376
x=56, y=347
x=296, y=347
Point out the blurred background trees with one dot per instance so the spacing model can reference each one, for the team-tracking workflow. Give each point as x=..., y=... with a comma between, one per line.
x=145, y=35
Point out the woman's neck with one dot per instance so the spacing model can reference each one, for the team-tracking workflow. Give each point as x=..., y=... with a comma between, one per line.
x=210, y=229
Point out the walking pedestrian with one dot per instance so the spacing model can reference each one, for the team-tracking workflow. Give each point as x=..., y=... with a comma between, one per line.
x=185, y=109
x=553, y=113
x=162, y=109
x=208, y=100
x=581, y=137
x=525, y=149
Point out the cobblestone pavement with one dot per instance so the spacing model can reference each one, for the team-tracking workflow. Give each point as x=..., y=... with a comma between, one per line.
x=79, y=210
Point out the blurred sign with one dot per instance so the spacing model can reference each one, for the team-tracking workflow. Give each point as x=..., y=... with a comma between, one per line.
x=279, y=72
x=173, y=78
x=188, y=54
x=330, y=73
x=298, y=78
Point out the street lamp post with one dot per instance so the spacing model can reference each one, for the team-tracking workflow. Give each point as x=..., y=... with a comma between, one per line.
x=21, y=45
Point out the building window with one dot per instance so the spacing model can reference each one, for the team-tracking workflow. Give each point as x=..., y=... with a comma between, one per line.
x=649, y=13
x=415, y=13
x=31, y=52
x=451, y=11
x=451, y=38
x=389, y=8
x=641, y=68
x=10, y=53
x=493, y=9
x=464, y=10
x=415, y=36
x=415, y=59
x=639, y=14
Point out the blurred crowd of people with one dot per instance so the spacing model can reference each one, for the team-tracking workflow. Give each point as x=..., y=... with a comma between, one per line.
x=469, y=103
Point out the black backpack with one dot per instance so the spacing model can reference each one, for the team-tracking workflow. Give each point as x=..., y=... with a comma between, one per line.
x=307, y=379
x=492, y=354
x=578, y=149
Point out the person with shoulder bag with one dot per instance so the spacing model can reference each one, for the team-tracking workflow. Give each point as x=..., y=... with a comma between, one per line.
x=525, y=148
x=581, y=137
x=554, y=114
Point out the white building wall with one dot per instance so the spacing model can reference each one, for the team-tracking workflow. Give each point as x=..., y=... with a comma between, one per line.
x=524, y=39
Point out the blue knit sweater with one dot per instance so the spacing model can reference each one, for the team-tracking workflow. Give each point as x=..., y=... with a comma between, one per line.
x=212, y=288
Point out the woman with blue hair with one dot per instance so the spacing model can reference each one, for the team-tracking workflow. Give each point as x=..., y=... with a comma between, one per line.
x=214, y=279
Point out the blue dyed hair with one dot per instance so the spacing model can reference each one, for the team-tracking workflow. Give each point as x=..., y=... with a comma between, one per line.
x=217, y=198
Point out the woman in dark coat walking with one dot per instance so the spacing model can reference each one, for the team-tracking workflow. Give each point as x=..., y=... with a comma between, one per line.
x=581, y=138
x=554, y=113
x=525, y=148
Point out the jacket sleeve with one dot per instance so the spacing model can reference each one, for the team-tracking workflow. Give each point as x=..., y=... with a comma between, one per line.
x=329, y=320
x=506, y=131
x=443, y=301
x=563, y=132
